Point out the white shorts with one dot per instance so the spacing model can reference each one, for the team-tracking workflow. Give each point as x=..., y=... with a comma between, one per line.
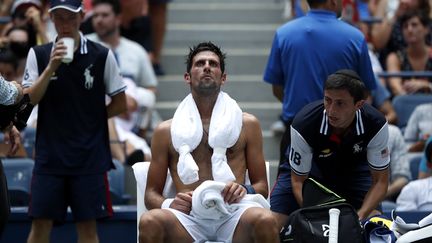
x=203, y=230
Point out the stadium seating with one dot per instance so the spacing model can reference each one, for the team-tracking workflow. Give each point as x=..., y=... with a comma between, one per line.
x=116, y=180
x=414, y=161
x=404, y=105
x=18, y=173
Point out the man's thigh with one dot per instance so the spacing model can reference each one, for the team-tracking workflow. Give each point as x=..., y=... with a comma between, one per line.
x=89, y=197
x=48, y=197
x=174, y=223
x=282, y=198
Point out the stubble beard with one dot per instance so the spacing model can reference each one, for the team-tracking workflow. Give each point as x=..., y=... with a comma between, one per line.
x=207, y=89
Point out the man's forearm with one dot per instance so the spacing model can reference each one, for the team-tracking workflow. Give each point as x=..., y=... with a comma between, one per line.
x=38, y=89
x=375, y=195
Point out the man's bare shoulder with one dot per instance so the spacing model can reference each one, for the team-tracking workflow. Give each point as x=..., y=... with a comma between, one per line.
x=163, y=129
x=164, y=126
x=250, y=120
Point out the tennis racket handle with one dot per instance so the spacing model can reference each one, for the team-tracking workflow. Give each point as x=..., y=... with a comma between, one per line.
x=333, y=225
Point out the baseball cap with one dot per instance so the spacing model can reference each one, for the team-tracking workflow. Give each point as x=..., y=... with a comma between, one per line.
x=71, y=5
x=18, y=4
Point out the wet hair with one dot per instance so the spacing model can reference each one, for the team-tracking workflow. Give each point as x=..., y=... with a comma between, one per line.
x=115, y=4
x=422, y=15
x=348, y=80
x=205, y=46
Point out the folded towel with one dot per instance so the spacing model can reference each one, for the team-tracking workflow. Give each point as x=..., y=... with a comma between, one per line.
x=423, y=234
x=208, y=203
x=401, y=228
x=187, y=131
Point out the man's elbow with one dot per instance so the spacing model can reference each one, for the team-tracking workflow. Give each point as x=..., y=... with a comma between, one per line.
x=33, y=99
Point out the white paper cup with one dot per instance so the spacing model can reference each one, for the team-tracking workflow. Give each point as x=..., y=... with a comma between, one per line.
x=69, y=43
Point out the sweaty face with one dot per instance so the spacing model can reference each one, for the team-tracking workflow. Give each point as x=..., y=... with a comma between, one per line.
x=104, y=20
x=340, y=108
x=205, y=76
x=66, y=23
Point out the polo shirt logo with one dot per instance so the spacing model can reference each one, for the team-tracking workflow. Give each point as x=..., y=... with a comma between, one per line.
x=88, y=77
x=357, y=148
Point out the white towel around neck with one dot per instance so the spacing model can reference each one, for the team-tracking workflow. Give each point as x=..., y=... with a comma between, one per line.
x=187, y=131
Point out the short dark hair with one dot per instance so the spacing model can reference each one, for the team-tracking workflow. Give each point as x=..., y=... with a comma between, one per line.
x=205, y=46
x=349, y=80
x=7, y=56
x=422, y=15
x=115, y=4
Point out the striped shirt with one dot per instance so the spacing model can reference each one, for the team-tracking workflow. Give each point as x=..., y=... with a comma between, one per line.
x=8, y=92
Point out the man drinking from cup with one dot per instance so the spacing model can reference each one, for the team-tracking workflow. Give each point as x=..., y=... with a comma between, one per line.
x=72, y=146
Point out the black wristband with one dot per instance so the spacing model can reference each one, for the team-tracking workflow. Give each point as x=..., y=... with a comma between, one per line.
x=249, y=189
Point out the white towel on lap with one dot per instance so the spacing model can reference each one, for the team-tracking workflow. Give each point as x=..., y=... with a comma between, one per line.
x=187, y=132
x=208, y=203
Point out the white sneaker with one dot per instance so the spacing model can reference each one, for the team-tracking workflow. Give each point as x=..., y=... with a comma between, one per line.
x=278, y=127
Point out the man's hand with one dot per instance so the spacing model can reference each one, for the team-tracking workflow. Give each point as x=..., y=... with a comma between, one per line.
x=57, y=55
x=233, y=192
x=34, y=16
x=12, y=136
x=182, y=202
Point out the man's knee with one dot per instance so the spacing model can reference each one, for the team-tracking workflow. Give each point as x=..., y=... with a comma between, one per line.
x=151, y=226
x=261, y=223
x=281, y=219
x=42, y=225
x=40, y=230
x=266, y=220
x=87, y=231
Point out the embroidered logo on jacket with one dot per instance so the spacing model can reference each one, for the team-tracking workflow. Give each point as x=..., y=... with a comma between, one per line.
x=325, y=153
x=88, y=78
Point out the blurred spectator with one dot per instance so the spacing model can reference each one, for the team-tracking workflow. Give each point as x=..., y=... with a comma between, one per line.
x=18, y=39
x=294, y=9
x=416, y=56
x=5, y=7
x=135, y=22
x=400, y=173
x=380, y=99
x=425, y=167
x=28, y=14
x=133, y=60
x=8, y=64
x=417, y=195
x=419, y=127
x=126, y=146
x=158, y=19
x=387, y=34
